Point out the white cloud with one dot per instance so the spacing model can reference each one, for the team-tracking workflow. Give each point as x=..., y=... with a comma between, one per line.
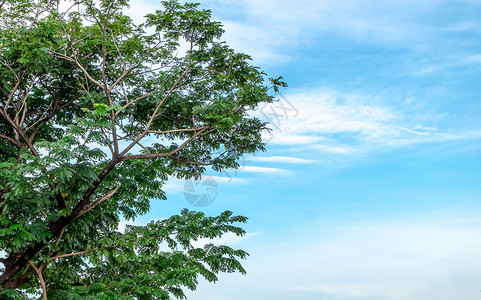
x=464, y=26
x=332, y=149
x=435, y=137
x=447, y=63
x=273, y=31
x=334, y=112
x=401, y=23
x=235, y=180
x=343, y=123
x=140, y=8
x=324, y=113
x=473, y=59
x=254, y=41
x=281, y=159
x=283, y=138
x=263, y=170
x=173, y=185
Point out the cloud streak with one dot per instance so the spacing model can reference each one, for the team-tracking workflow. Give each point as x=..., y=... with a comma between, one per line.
x=264, y=170
x=341, y=123
x=281, y=159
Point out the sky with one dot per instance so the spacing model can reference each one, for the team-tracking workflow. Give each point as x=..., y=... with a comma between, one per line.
x=370, y=187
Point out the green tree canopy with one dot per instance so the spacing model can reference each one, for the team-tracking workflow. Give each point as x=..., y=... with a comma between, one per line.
x=96, y=112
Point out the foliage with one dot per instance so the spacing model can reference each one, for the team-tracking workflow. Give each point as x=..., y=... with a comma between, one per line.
x=96, y=112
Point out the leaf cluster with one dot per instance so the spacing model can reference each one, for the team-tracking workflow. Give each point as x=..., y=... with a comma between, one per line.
x=96, y=113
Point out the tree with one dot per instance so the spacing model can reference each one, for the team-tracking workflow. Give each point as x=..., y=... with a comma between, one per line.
x=96, y=113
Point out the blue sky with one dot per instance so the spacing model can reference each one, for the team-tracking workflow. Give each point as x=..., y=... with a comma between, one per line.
x=370, y=187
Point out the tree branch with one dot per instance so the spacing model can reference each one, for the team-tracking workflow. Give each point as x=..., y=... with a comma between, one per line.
x=166, y=154
x=147, y=127
x=145, y=156
x=98, y=201
x=124, y=65
x=75, y=60
x=86, y=197
x=175, y=130
x=21, y=133
x=73, y=254
x=40, y=278
x=11, y=140
x=82, y=252
x=188, y=161
x=60, y=236
x=51, y=115
x=12, y=93
x=132, y=102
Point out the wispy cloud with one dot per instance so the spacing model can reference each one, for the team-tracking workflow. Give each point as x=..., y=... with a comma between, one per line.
x=337, y=122
x=255, y=41
x=288, y=22
x=276, y=32
x=333, y=149
x=281, y=159
x=264, y=170
x=175, y=185
x=285, y=138
x=329, y=112
x=447, y=63
x=233, y=180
